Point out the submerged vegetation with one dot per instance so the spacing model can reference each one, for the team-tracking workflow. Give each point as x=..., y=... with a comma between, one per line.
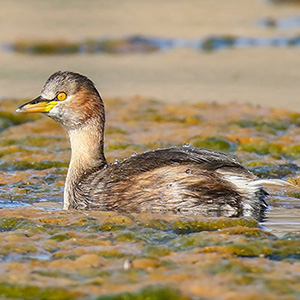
x=47, y=253
x=74, y=255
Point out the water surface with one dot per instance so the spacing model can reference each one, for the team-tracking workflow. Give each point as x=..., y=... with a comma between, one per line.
x=79, y=255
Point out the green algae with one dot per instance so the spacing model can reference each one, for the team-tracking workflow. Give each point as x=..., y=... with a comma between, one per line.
x=84, y=221
x=156, y=251
x=159, y=118
x=236, y=267
x=120, y=219
x=22, y=249
x=154, y=223
x=239, y=245
x=186, y=226
x=286, y=247
x=269, y=148
x=126, y=236
x=184, y=243
x=213, y=43
x=8, y=142
x=263, y=126
x=109, y=226
x=112, y=253
x=244, y=279
x=64, y=255
x=255, y=233
x=283, y=286
x=11, y=224
x=32, y=141
x=148, y=249
x=60, y=237
x=118, y=45
x=251, y=249
x=112, y=45
x=8, y=119
x=151, y=292
x=15, y=291
x=293, y=151
x=152, y=236
x=215, y=143
x=276, y=250
x=46, y=47
x=25, y=165
x=118, y=146
x=11, y=150
x=262, y=148
x=294, y=118
x=55, y=274
x=114, y=130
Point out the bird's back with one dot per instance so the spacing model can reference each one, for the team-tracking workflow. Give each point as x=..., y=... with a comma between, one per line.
x=184, y=180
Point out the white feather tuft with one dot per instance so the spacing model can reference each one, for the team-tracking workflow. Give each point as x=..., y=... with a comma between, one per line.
x=277, y=182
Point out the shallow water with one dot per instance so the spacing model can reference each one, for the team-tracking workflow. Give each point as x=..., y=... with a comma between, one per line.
x=283, y=23
x=48, y=253
x=91, y=255
x=279, y=221
x=146, y=44
x=35, y=151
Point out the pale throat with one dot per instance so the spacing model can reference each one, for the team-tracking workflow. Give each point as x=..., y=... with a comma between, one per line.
x=86, y=154
x=86, y=149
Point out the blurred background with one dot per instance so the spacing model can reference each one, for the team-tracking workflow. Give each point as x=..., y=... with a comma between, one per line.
x=173, y=51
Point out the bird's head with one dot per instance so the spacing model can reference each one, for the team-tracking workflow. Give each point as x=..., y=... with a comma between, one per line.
x=69, y=98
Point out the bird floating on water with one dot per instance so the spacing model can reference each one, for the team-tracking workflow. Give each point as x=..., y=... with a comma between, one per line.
x=183, y=180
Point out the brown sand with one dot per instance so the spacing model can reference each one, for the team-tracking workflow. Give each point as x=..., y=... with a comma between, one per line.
x=266, y=76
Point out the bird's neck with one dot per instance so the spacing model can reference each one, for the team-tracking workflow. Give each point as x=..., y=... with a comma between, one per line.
x=87, y=153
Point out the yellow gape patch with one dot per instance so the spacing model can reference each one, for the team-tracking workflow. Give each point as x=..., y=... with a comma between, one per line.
x=50, y=105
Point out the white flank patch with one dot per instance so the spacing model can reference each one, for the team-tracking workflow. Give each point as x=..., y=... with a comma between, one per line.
x=247, y=187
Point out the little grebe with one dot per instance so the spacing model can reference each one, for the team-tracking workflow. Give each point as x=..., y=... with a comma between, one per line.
x=178, y=179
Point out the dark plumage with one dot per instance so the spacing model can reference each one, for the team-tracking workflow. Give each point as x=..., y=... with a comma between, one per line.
x=180, y=179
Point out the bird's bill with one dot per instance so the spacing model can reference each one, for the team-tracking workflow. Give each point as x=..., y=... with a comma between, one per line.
x=37, y=105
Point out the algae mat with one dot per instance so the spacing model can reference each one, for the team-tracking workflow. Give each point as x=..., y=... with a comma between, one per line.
x=47, y=253
x=68, y=255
